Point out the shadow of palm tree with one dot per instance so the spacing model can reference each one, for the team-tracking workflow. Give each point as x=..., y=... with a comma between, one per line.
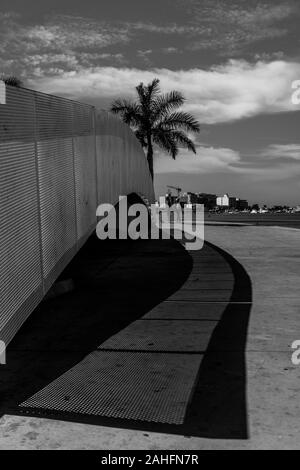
x=116, y=282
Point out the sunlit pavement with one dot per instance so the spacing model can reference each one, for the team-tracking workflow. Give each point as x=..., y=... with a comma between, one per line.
x=271, y=258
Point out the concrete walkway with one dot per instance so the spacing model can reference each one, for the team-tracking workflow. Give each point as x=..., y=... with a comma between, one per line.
x=167, y=370
x=247, y=384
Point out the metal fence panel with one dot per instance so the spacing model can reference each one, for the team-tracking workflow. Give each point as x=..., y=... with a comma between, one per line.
x=20, y=267
x=85, y=170
x=58, y=160
x=57, y=205
x=85, y=178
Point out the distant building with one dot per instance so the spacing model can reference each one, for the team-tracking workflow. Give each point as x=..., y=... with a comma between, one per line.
x=209, y=200
x=193, y=198
x=162, y=202
x=242, y=204
x=227, y=201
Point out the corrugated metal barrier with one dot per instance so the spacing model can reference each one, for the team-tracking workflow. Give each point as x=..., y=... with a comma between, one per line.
x=59, y=159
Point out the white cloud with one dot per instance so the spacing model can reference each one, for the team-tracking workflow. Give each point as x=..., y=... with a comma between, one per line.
x=26, y=46
x=144, y=55
x=278, y=172
x=68, y=32
x=291, y=151
x=236, y=24
x=170, y=50
x=224, y=160
x=285, y=163
x=224, y=93
x=269, y=56
x=207, y=159
x=171, y=28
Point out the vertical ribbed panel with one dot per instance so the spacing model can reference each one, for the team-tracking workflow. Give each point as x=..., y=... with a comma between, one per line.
x=54, y=118
x=122, y=166
x=85, y=169
x=57, y=203
x=20, y=268
x=57, y=157
x=85, y=176
x=83, y=123
x=17, y=116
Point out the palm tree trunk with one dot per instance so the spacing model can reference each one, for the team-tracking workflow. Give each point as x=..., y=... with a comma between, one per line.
x=150, y=155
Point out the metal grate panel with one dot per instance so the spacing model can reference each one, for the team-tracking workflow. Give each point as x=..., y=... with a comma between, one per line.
x=135, y=386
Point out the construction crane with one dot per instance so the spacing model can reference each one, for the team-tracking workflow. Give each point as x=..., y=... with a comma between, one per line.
x=177, y=189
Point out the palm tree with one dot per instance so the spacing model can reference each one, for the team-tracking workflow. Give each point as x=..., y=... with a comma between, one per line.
x=12, y=81
x=156, y=120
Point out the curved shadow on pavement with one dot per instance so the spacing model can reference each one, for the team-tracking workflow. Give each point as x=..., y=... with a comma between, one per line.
x=219, y=406
x=116, y=282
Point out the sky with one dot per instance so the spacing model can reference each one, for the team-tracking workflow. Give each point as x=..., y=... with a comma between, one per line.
x=234, y=61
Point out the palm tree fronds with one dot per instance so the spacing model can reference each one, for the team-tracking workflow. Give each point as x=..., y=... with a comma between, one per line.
x=180, y=120
x=154, y=120
x=153, y=89
x=141, y=136
x=12, y=80
x=164, y=104
x=141, y=93
x=166, y=141
x=181, y=139
x=129, y=112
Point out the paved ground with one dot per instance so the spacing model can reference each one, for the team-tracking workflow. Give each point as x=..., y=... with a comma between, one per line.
x=248, y=384
x=269, y=219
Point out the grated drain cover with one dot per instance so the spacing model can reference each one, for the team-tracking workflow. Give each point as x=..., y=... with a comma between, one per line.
x=153, y=387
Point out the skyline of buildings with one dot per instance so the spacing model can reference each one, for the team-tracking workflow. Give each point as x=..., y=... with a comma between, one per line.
x=212, y=201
